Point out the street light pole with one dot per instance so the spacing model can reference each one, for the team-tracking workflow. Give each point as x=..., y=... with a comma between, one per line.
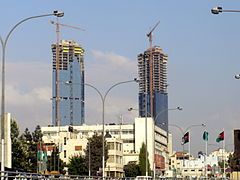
x=182, y=133
x=89, y=158
x=4, y=45
x=169, y=109
x=103, y=99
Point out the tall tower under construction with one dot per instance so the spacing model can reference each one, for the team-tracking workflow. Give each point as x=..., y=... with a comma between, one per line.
x=69, y=87
x=153, y=97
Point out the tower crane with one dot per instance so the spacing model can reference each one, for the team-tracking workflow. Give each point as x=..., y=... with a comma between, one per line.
x=65, y=25
x=149, y=35
x=57, y=24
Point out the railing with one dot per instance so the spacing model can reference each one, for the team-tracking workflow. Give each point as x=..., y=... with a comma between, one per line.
x=14, y=175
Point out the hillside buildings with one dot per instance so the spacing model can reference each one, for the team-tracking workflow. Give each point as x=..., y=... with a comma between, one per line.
x=185, y=166
x=153, y=84
x=69, y=87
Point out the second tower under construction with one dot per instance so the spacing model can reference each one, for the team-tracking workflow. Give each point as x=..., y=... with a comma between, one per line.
x=154, y=87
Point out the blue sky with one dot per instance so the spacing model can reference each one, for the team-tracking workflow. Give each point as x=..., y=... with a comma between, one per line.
x=203, y=52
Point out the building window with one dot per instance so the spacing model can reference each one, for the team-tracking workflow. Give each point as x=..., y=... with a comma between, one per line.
x=65, y=141
x=118, y=146
x=111, y=145
x=128, y=141
x=78, y=148
x=65, y=153
x=118, y=159
x=111, y=159
x=127, y=131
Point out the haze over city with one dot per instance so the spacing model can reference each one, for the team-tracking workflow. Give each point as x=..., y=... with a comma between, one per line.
x=203, y=58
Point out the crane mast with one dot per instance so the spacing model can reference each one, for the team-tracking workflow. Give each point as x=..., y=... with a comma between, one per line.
x=57, y=120
x=149, y=35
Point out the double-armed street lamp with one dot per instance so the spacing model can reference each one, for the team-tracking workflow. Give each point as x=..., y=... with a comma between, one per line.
x=147, y=113
x=4, y=45
x=160, y=112
x=103, y=99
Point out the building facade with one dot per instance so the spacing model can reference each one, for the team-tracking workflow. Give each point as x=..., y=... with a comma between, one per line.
x=68, y=84
x=153, y=83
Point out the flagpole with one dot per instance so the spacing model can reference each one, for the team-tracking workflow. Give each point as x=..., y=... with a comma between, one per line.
x=183, y=155
x=224, y=175
x=206, y=142
x=189, y=146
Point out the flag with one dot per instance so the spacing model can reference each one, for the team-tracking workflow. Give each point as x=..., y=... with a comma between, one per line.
x=205, y=136
x=220, y=137
x=185, y=138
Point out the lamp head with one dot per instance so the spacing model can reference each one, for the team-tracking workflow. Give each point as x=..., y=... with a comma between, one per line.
x=237, y=76
x=68, y=82
x=216, y=10
x=179, y=108
x=130, y=109
x=136, y=80
x=58, y=13
x=162, y=124
x=204, y=125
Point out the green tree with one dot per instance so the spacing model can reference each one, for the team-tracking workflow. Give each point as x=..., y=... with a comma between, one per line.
x=132, y=169
x=54, y=163
x=24, y=147
x=33, y=146
x=77, y=166
x=234, y=162
x=19, y=149
x=142, y=161
x=95, y=143
x=26, y=140
x=37, y=134
x=30, y=142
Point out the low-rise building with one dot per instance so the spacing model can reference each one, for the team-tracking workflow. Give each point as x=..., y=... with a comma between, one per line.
x=114, y=167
